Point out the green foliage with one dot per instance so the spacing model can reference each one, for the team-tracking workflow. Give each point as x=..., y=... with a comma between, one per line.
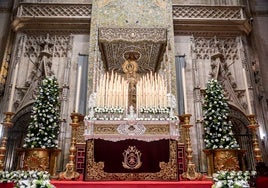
x=217, y=130
x=43, y=129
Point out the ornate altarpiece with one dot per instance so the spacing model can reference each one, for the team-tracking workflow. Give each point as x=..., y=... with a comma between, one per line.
x=132, y=135
x=149, y=145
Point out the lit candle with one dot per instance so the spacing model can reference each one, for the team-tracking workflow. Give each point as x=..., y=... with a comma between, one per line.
x=13, y=88
x=247, y=93
x=79, y=73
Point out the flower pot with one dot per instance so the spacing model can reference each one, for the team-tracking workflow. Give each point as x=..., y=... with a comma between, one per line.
x=224, y=159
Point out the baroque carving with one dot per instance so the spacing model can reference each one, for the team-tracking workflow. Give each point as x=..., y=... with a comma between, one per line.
x=226, y=160
x=153, y=129
x=95, y=170
x=36, y=159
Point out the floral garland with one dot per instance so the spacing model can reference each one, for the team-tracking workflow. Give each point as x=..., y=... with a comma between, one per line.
x=26, y=179
x=236, y=179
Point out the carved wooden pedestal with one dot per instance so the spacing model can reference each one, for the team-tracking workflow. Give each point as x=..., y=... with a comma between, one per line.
x=224, y=159
x=39, y=159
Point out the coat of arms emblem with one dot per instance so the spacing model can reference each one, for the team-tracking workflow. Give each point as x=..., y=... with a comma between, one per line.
x=132, y=158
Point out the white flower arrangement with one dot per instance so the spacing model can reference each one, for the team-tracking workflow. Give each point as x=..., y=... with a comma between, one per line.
x=44, y=127
x=26, y=179
x=235, y=179
x=105, y=109
x=217, y=129
x=155, y=110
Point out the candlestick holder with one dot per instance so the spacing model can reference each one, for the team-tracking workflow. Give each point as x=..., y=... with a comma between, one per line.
x=253, y=126
x=190, y=173
x=7, y=124
x=70, y=173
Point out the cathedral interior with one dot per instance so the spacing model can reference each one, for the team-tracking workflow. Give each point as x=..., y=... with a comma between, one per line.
x=134, y=55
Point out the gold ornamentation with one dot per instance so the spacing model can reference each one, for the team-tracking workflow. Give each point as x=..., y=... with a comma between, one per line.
x=7, y=124
x=132, y=158
x=190, y=173
x=39, y=159
x=80, y=138
x=3, y=152
x=223, y=159
x=130, y=67
x=95, y=170
x=70, y=173
x=256, y=148
x=226, y=160
x=105, y=129
x=36, y=159
x=155, y=129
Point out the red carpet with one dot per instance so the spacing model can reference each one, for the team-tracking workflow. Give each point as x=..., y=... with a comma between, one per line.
x=132, y=184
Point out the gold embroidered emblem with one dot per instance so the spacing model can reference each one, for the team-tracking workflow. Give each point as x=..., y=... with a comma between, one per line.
x=132, y=158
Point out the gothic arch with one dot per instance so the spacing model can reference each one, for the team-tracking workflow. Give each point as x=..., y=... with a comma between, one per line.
x=16, y=135
x=242, y=134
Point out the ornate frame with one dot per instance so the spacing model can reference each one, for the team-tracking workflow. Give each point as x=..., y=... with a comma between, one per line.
x=94, y=170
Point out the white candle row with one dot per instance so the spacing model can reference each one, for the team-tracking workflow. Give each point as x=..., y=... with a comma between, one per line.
x=151, y=91
x=112, y=91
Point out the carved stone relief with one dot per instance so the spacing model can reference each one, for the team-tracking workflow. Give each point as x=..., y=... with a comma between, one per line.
x=223, y=55
x=40, y=58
